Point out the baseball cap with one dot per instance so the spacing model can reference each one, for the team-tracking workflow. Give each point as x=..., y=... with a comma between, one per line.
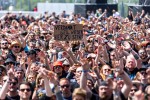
x=57, y=63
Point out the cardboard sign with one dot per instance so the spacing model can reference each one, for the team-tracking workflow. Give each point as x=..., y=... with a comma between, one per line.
x=68, y=32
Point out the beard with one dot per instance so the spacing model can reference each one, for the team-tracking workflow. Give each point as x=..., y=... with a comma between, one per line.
x=103, y=97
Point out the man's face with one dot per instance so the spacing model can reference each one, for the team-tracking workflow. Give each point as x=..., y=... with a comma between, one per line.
x=78, y=73
x=65, y=88
x=4, y=44
x=104, y=92
x=58, y=69
x=130, y=64
x=24, y=92
x=9, y=65
x=31, y=78
x=13, y=85
x=16, y=48
x=66, y=67
x=142, y=54
x=19, y=74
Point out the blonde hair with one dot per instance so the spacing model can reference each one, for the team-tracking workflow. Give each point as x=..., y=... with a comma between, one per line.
x=131, y=57
x=81, y=92
x=101, y=71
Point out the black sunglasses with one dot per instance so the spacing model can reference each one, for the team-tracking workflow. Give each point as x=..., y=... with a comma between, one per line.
x=9, y=63
x=57, y=67
x=30, y=54
x=13, y=83
x=63, y=86
x=17, y=46
x=28, y=90
x=66, y=65
x=4, y=43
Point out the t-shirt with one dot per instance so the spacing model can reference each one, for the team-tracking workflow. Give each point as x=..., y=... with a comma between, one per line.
x=12, y=98
x=96, y=97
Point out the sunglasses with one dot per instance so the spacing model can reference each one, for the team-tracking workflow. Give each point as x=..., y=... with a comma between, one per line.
x=30, y=54
x=28, y=90
x=80, y=71
x=57, y=67
x=9, y=63
x=4, y=43
x=12, y=83
x=133, y=89
x=17, y=46
x=66, y=65
x=107, y=69
x=63, y=86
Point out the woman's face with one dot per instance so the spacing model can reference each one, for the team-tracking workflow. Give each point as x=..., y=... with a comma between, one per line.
x=34, y=68
x=78, y=97
x=106, y=70
x=91, y=48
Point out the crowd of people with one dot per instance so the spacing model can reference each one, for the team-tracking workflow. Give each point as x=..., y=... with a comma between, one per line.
x=111, y=62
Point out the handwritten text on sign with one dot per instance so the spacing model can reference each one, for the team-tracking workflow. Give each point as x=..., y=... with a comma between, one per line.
x=68, y=32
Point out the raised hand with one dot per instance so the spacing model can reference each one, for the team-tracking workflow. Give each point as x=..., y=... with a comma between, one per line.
x=10, y=73
x=126, y=45
x=85, y=64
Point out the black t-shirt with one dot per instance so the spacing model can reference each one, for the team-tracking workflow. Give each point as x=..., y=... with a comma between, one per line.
x=18, y=98
x=96, y=97
x=12, y=98
x=12, y=56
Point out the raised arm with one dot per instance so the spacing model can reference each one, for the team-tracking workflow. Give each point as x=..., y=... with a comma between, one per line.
x=127, y=81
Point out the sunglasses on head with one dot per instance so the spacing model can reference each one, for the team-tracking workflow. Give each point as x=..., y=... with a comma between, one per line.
x=28, y=90
x=63, y=86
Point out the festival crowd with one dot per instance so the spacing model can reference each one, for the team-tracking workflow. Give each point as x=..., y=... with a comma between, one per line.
x=111, y=62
